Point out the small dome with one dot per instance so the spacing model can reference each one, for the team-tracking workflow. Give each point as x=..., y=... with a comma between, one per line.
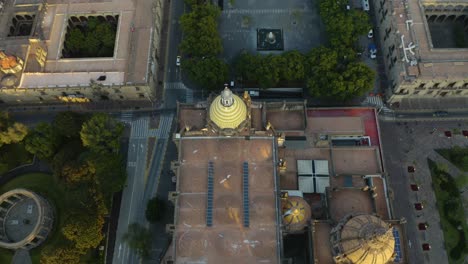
x=8, y=80
x=367, y=239
x=296, y=212
x=228, y=110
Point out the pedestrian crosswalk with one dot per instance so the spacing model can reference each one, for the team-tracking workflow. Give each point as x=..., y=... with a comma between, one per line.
x=189, y=96
x=126, y=116
x=378, y=103
x=181, y=86
x=165, y=125
x=140, y=127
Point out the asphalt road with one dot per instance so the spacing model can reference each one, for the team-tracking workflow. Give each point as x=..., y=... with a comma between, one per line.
x=173, y=73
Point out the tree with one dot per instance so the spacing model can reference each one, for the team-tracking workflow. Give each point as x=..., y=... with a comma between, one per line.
x=43, y=141
x=84, y=229
x=74, y=173
x=60, y=255
x=101, y=134
x=68, y=124
x=155, y=209
x=13, y=134
x=68, y=152
x=331, y=75
x=75, y=41
x=267, y=72
x=111, y=173
x=291, y=67
x=138, y=238
x=210, y=73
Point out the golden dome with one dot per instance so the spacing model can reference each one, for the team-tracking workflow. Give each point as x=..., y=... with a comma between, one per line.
x=367, y=239
x=228, y=110
x=296, y=212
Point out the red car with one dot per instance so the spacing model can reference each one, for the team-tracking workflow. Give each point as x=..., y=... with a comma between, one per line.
x=422, y=226
x=448, y=134
x=414, y=187
x=426, y=247
x=465, y=133
x=411, y=169
x=418, y=206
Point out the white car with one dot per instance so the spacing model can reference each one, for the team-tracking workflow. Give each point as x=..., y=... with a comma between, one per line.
x=177, y=63
x=373, y=53
x=370, y=34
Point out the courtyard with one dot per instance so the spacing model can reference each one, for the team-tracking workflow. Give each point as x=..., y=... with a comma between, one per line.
x=299, y=20
x=413, y=144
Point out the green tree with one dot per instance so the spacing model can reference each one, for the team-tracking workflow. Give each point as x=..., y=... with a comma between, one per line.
x=267, y=72
x=74, y=173
x=138, y=238
x=13, y=134
x=75, y=40
x=110, y=172
x=155, y=209
x=291, y=68
x=331, y=75
x=43, y=141
x=84, y=229
x=210, y=73
x=60, y=255
x=246, y=65
x=68, y=124
x=68, y=152
x=102, y=134
x=106, y=34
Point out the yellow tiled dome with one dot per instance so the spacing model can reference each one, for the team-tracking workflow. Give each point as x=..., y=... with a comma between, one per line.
x=296, y=213
x=366, y=239
x=228, y=110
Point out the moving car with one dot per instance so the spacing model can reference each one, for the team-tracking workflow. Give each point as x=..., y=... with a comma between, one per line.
x=372, y=51
x=411, y=169
x=448, y=134
x=418, y=206
x=177, y=61
x=370, y=34
x=414, y=187
x=365, y=5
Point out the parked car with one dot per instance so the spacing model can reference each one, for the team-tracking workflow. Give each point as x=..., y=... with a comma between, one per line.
x=426, y=247
x=440, y=113
x=365, y=5
x=448, y=133
x=411, y=169
x=370, y=34
x=178, y=61
x=423, y=226
x=418, y=206
x=372, y=51
x=414, y=187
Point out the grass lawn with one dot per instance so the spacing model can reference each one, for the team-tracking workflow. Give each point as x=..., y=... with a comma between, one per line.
x=452, y=216
x=5, y=255
x=458, y=156
x=48, y=187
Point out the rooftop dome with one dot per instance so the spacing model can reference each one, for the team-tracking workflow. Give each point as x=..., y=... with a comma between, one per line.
x=296, y=212
x=366, y=239
x=228, y=110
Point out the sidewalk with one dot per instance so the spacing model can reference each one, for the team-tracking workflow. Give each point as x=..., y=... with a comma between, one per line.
x=106, y=106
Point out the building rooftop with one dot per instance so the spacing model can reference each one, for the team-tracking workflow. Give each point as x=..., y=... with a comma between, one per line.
x=129, y=64
x=227, y=237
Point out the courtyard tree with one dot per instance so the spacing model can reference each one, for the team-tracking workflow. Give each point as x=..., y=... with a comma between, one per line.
x=43, y=141
x=102, y=134
x=75, y=40
x=210, y=73
x=138, y=238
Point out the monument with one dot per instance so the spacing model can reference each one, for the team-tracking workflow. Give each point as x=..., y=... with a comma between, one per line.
x=270, y=39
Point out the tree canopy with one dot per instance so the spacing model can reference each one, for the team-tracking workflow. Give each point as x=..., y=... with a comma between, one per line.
x=68, y=124
x=43, y=141
x=84, y=229
x=210, y=73
x=64, y=254
x=10, y=131
x=138, y=238
x=101, y=134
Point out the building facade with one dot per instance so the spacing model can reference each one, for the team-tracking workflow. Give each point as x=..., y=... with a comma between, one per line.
x=36, y=64
x=424, y=52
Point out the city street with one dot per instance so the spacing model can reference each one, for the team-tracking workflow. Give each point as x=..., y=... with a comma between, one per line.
x=141, y=184
x=411, y=144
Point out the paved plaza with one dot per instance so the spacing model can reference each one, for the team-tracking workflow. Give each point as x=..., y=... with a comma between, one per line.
x=411, y=144
x=299, y=20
